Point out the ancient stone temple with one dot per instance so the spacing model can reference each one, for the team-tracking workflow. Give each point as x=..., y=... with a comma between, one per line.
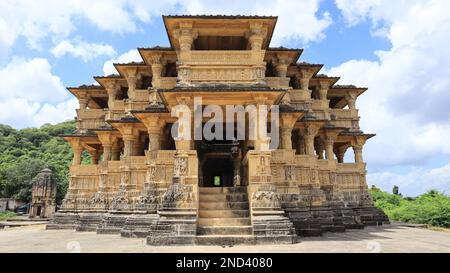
x=43, y=195
x=148, y=180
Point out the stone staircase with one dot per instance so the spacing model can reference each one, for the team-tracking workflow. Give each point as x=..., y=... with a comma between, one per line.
x=224, y=217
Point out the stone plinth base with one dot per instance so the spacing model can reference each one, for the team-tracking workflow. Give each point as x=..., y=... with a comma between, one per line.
x=138, y=225
x=64, y=220
x=371, y=216
x=89, y=221
x=315, y=221
x=272, y=227
x=175, y=227
x=112, y=223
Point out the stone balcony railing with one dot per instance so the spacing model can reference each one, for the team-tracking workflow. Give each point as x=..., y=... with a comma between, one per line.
x=84, y=169
x=112, y=115
x=350, y=167
x=90, y=118
x=90, y=113
x=117, y=111
x=141, y=95
x=320, y=105
x=346, y=123
x=299, y=95
x=135, y=106
x=90, y=124
x=167, y=82
x=138, y=162
x=118, y=105
x=344, y=113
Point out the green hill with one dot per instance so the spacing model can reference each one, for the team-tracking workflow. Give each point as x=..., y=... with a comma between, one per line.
x=23, y=153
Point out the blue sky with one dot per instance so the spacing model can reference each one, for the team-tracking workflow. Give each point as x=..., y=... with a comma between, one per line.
x=397, y=49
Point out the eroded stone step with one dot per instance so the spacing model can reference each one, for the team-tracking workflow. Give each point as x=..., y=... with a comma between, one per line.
x=223, y=205
x=226, y=213
x=225, y=239
x=224, y=230
x=233, y=197
x=223, y=221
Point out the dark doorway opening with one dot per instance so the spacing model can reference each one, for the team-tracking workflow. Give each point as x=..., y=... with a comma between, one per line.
x=39, y=209
x=217, y=171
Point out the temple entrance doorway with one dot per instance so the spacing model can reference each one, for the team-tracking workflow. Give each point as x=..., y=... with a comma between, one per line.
x=217, y=171
x=219, y=163
x=39, y=209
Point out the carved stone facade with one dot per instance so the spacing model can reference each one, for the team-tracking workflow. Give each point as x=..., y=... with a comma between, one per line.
x=145, y=182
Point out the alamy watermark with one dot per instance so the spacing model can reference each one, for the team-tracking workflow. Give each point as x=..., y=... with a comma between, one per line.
x=257, y=117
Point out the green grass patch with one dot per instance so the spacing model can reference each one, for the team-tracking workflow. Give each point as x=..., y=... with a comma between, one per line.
x=6, y=215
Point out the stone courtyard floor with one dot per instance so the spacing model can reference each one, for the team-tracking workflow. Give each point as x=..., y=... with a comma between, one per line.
x=391, y=238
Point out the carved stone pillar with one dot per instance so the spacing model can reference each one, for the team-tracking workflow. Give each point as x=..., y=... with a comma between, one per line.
x=288, y=121
x=83, y=103
x=329, y=142
x=340, y=153
x=309, y=132
x=132, y=82
x=107, y=138
x=157, y=66
x=236, y=153
x=186, y=36
x=323, y=90
x=357, y=145
x=112, y=89
x=281, y=66
x=351, y=100
x=262, y=140
x=154, y=127
x=329, y=139
x=107, y=152
x=77, y=150
x=128, y=145
x=184, y=139
x=115, y=151
x=130, y=136
x=306, y=75
x=357, y=149
x=256, y=36
x=286, y=142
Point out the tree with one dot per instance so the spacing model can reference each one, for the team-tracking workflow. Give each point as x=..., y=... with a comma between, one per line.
x=23, y=153
x=395, y=190
x=432, y=208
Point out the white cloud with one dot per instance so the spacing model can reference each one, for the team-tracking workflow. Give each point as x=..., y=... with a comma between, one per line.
x=129, y=56
x=86, y=51
x=37, y=20
x=31, y=80
x=415, y=182
x=31, y=95
x=407, y=101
